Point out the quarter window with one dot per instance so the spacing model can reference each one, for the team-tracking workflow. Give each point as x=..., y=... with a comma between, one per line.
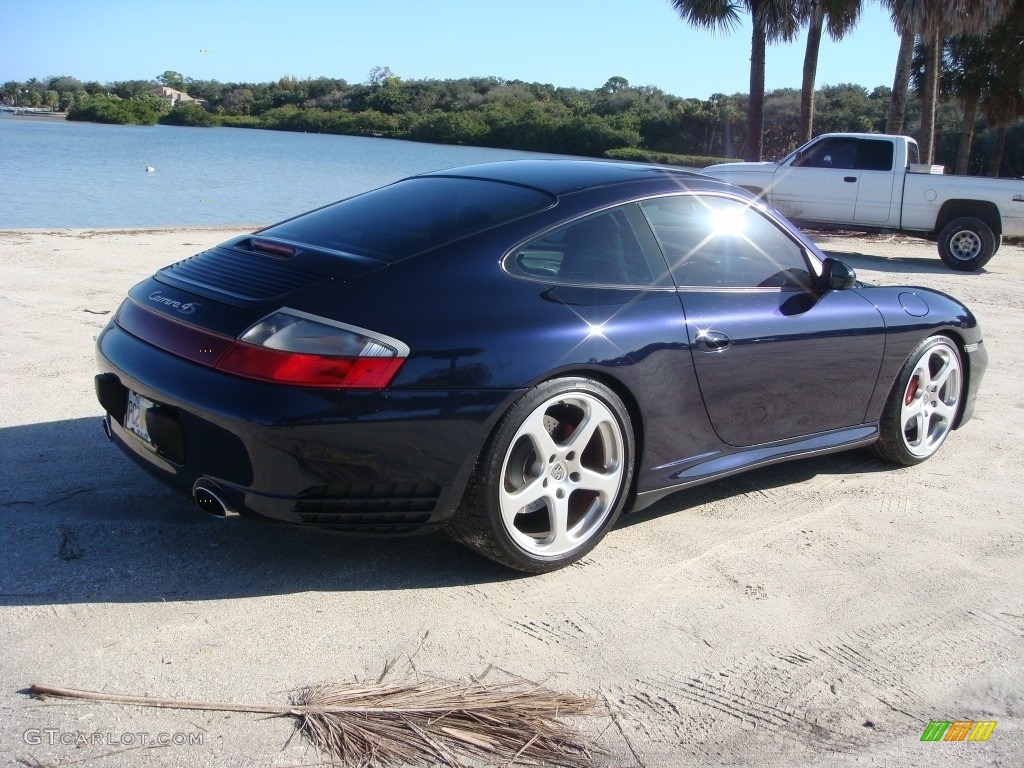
x=723, y=242
x=599, y=250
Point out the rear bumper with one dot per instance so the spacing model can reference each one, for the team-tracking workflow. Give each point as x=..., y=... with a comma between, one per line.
x=394, y=461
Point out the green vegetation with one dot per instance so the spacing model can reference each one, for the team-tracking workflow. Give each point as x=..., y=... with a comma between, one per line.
x=144, y=110
x=616, y=120
x=636, y=154
x=188, y=114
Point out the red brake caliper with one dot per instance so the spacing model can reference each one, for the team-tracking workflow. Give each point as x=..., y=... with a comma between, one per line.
x=911, y=391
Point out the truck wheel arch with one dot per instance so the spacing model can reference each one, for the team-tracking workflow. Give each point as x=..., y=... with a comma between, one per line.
x=979, y=209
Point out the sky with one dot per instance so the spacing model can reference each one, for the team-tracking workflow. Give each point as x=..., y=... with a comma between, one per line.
x=570, y=43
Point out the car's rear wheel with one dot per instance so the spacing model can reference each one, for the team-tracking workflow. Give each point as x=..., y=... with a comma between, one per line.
x=923, y=404
x=966, y=244
x=552, y=479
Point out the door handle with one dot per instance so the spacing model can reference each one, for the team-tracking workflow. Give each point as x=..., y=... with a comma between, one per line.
x=713, y=341
x=849, y=179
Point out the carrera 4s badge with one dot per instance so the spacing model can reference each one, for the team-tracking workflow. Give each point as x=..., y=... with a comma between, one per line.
x=186, y=309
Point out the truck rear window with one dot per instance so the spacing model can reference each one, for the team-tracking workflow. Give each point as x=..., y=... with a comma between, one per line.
x=411, y=216
x=874, y=155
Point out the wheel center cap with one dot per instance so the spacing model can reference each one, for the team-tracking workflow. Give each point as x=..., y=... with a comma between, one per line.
x=559, y=471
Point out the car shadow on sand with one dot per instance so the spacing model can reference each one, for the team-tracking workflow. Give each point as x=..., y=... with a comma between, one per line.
x=81, y=523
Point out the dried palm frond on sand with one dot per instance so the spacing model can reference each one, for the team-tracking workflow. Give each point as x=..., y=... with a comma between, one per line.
x=417, y=724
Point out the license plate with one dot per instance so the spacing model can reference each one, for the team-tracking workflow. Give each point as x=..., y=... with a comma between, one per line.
x=135, y=416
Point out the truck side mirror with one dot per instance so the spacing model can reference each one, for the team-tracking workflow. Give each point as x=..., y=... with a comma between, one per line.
x=837, y=276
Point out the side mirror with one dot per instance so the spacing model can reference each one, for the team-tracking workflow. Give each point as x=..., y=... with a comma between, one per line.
x=837, y=276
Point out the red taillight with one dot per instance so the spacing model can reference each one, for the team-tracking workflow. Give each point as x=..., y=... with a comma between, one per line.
x=308, y=370
x=285, y=347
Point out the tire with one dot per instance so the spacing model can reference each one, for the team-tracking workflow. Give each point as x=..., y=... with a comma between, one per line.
x=552, y=479
x=966, y=244
x=924, y=403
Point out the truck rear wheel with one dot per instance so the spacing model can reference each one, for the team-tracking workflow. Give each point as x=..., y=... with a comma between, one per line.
x=966, y=244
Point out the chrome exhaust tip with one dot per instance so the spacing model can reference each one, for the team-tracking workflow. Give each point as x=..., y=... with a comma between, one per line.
x=210, y=499
x=106, y=429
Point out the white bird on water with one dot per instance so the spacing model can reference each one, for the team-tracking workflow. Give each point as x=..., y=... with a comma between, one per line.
x=149, y=168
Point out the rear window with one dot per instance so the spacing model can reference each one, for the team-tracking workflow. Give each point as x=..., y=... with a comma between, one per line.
x=411, y=216
x=874, y=155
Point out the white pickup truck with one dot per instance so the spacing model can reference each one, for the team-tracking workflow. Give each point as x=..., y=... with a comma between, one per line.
x=873, y=183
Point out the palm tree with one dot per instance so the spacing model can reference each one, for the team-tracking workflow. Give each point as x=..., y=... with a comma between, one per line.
x=10, y=91
x=967, y=77
x=1003, y=101
x=909, y=17
x=836, y=16
x=933, y=21
x=772, y=21
x=900, y=82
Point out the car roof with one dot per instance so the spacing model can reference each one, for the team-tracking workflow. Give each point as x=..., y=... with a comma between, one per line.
x=560, y=177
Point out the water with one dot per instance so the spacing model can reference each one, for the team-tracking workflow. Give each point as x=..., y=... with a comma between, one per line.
x=57, y=174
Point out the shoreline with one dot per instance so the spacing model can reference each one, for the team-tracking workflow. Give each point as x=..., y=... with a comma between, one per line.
x=140, y=230
x=5, y=114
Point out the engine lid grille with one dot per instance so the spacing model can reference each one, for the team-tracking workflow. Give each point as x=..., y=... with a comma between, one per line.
x=239, y=279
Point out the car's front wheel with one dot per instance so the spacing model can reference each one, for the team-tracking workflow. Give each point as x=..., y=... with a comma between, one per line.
x=923, y=404
x=552, y=479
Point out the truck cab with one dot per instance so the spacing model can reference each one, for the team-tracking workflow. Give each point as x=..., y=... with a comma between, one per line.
x=874, y=182
x=838, y=178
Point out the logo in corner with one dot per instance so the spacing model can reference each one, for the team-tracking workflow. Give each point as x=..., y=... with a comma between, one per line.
x=958, y=730
x=185, y=308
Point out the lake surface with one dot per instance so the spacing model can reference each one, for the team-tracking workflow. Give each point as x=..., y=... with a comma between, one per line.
x=56, y=174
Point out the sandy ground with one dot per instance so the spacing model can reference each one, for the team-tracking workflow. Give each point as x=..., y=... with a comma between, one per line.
x=817, y=613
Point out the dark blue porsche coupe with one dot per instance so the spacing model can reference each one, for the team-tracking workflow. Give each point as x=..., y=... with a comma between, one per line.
x=519, y=351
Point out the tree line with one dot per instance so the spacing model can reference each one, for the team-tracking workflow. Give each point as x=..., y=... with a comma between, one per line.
x=615, y=120
x=972, y=50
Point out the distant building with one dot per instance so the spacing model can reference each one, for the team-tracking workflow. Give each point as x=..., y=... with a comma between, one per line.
x=173, y=96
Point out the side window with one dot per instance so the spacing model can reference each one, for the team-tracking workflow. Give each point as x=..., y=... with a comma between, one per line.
x=874, y=155
x=722, y=242
x=830, y=153
x=599, y=250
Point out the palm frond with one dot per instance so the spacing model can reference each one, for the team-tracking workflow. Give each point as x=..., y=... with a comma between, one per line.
x=841, y=16
x=416, y=724
x=716, y=15
x=780, y=19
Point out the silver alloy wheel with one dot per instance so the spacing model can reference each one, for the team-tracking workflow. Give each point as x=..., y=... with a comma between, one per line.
x=965, y=245
x=562, y=475
x=930, y=400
